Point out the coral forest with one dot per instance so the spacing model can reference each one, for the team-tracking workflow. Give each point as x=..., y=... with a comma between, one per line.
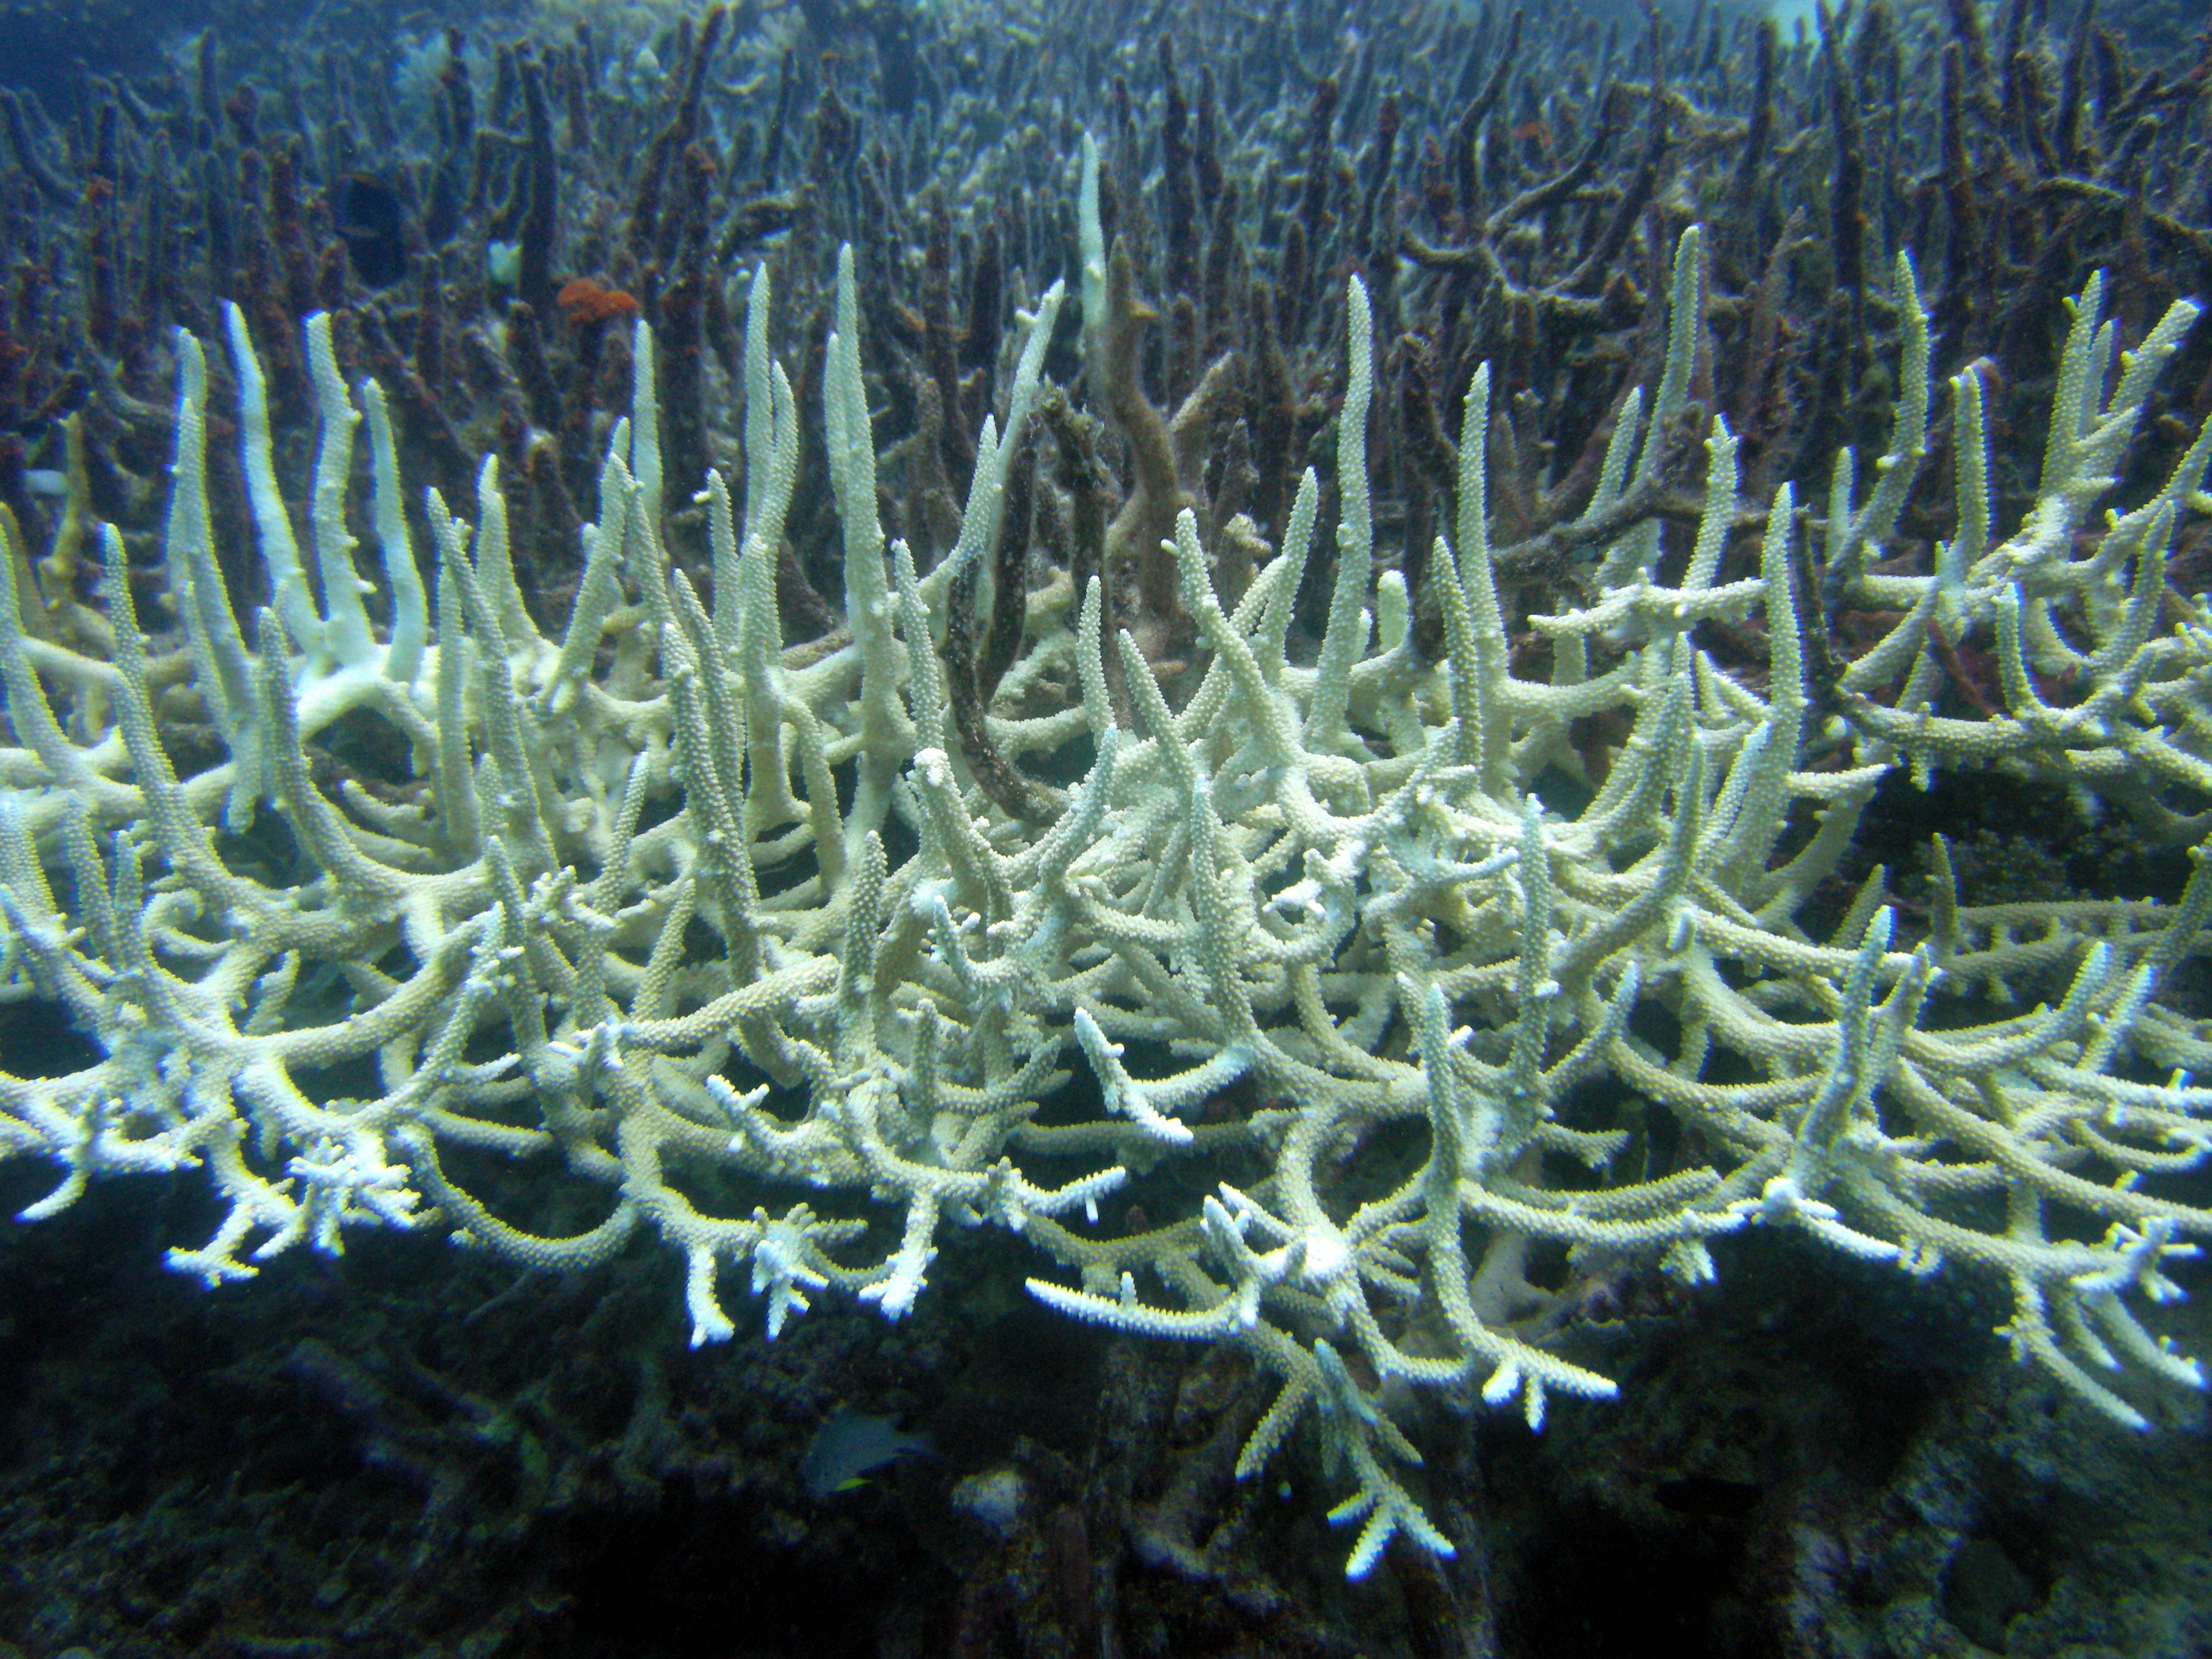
x=854, y=827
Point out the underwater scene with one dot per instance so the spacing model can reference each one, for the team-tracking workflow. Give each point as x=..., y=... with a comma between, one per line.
x=1105, y=829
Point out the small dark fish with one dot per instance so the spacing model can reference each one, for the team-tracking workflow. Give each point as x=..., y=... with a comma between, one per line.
x=373, y=225
x=1710, y=1496
x=849, y=1447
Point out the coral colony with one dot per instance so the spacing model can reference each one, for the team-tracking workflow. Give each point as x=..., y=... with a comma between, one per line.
x=1010, y=891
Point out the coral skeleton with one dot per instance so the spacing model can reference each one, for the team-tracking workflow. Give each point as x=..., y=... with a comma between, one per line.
x=666, y=911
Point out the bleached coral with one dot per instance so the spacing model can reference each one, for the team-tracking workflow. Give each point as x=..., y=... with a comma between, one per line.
x=668, y=910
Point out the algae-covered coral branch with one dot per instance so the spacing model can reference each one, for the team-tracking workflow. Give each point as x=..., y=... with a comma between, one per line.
x=733, y=936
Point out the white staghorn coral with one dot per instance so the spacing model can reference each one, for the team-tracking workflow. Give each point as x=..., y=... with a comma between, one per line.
x=636, y=923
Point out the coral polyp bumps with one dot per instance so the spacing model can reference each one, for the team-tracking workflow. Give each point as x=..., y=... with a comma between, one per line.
x=662, y=908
